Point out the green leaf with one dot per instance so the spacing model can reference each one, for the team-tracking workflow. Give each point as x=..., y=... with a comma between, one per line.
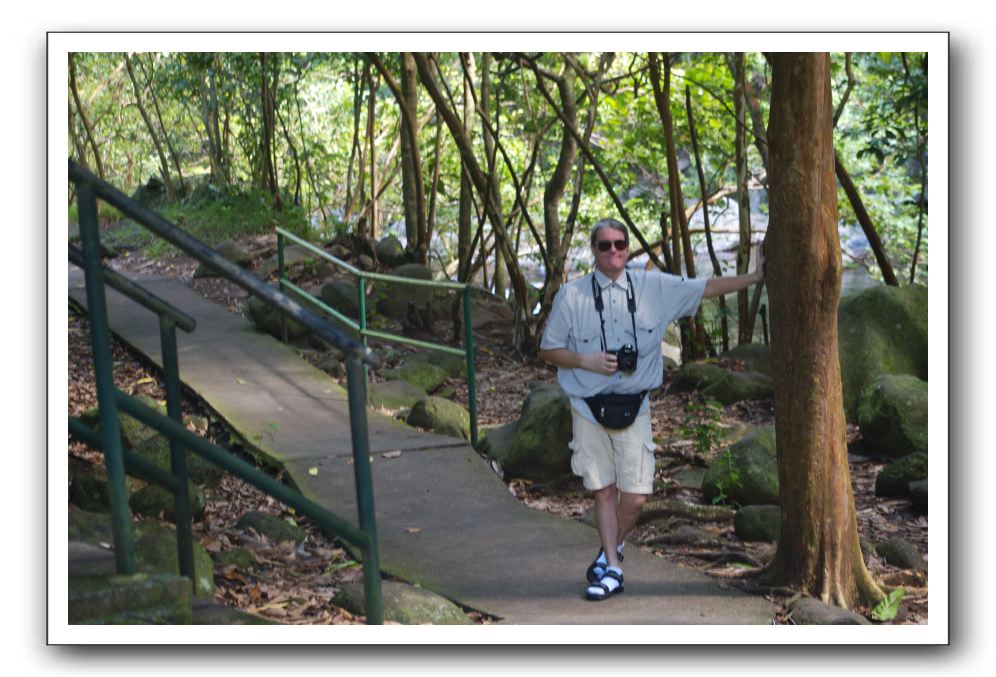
x=888, y=607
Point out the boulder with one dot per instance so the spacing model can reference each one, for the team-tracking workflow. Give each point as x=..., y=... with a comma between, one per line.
x=902, y=554
x=728, y=387
x=403, y=603
x=136, y=599
x=90, y=527
x=240, y=558
x=295, y=257
x=272, y=527
x=441, y=416
x=155, y=552
x=342, y=296
x=423, y=375
x=394, y=395
x=540, y=441
x=199, y=471
x=755, y=356
x=809, y=611
x=232, y=251
x=133, y=431
x=892, y=413
x=390, y=251
x=152, y=501
x=758, y=523
x=747, y=472
x=341, y=252
x=267, y=318
x=152, y=194
x=882, y=330
x=454, y=365
x=487, y=311
x=894, y=481
x=393, y=299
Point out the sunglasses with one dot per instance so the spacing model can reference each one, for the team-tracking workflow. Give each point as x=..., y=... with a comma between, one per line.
x=606, y=245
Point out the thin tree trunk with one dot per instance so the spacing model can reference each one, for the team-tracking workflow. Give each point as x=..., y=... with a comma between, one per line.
x=371, y=224
x=717, y=269
x=162, y=126
x=921, y=202
x=501, y=275
x=347, y=211
x=410, y=174
x=163, y=164
x=431, y=219
x=745, y=323
x=866, y=223
x=82, y=113
x=464, y=253
x=818, y=552
x=297, y=160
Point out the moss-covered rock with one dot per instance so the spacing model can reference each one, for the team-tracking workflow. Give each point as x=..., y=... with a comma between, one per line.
x=747, y=472
x=274, y=528
x=390, y=251
x=918, y=494
x=405, y=604
x=90, y=527
x=394, y=395
x=755, y=356
x=156, y=552
x=441, y=416
x=892, y=413
x=895, y=480
x=882, y=330
x=455, y=366
x=199, y=471
x=240, y=558
x=758, y=523
x=540, y=448
x=232, y=251
x=729, y=387
x=153, y=501
x=394, y=298
x=422, y=375
x=809, y=611
x=342, y=296
x=138, y=599
x=295, y=257
x=133, y=431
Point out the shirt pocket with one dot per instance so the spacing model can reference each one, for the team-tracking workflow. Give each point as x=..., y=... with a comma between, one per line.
x=588, y=339
x=649, y=335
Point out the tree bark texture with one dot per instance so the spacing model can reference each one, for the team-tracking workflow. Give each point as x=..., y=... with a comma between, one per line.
x=818, y=552
x=745, y=322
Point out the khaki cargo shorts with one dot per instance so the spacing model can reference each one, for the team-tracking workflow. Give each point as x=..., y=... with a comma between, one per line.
x=603, y=456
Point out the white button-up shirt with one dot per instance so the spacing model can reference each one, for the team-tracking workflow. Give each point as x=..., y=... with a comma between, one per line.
x=574, y=324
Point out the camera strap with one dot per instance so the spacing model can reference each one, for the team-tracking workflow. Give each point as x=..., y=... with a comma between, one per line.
x=630, y=304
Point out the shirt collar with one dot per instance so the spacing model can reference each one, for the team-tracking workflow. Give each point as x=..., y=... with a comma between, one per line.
x=603, y=280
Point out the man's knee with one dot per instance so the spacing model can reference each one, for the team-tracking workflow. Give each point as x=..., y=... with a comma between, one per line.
x=632, y=501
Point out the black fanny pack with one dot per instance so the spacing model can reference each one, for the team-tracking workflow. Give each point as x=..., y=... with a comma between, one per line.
x=614, y=410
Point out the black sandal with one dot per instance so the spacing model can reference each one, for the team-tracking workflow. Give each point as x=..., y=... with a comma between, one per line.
x=596, y=592
x=590, y=574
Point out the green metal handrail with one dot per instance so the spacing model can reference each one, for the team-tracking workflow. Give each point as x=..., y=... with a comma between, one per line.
x=360, y=326
x=110, y=400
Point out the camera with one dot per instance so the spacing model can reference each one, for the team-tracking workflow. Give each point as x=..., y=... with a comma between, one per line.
x=625, y=358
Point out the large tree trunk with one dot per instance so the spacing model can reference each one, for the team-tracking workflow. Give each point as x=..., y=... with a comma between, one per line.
x=818, y=552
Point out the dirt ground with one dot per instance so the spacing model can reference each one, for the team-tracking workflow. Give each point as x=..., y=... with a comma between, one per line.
x=294, y=585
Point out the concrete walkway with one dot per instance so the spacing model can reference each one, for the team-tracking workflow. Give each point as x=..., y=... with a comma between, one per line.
x=444, y=519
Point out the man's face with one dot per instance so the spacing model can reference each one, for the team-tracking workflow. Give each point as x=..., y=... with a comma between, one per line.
x=609, y=258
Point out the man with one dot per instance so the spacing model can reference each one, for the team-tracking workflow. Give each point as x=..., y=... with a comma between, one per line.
x=604, y=335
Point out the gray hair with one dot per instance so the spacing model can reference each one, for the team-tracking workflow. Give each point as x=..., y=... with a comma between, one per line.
x=609, y=223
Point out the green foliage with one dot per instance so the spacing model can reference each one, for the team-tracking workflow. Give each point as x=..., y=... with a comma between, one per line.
x=730, y=479
x=887, y=609
x=701, y=425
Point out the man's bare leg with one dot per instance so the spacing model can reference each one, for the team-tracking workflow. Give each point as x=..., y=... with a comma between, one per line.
x=607, y=522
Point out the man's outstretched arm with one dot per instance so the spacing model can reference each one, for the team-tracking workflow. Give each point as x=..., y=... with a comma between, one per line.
x=720, y=286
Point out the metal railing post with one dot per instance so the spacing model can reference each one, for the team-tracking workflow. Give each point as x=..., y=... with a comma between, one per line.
x=361, y=301
x=357, y=389
x=280, y=281
x=177, y=454
x=124, y=543
x=471, y=376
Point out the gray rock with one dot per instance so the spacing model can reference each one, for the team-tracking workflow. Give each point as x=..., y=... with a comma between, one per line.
x=273, y=528
x=341, y=252
x=882, y=330
x=342, y=296
x=809, y=611
x=758, y=523
x=90, y=527
x=540, y=448
x=892, y=413
x=393, y=395
x=455, y=367
x=332, y=366
x=138, y=599
x=894, y=480
x=390, y=251
x=365, y=262
x=918, y=494
x=747, y=472
x=902, y=554
x=267, y=318
x=405, y=604
x=393, y=299
x=232, y=251
x=690, y=478
x=295, y=257
x=441, y=416
x=240, y=558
